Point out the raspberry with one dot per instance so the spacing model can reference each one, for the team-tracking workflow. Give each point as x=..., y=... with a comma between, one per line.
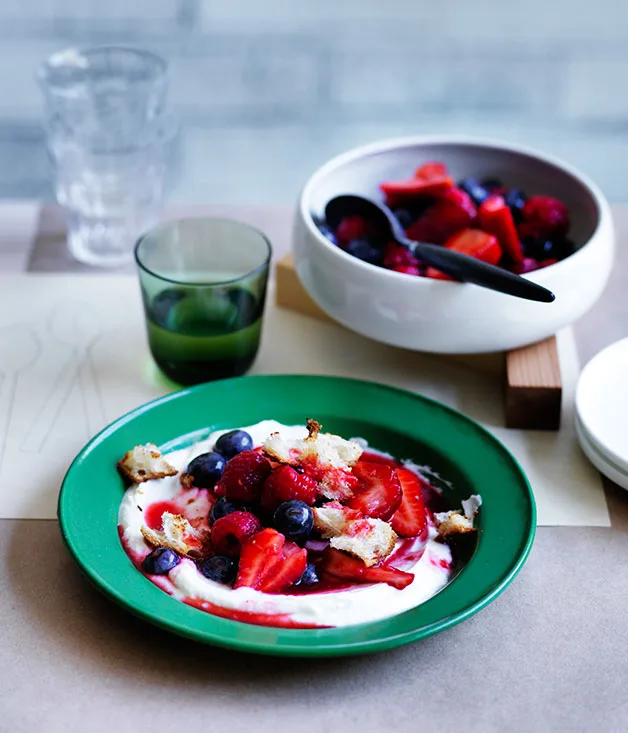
x=352, y=227
x=244, y=476
x=286, y=484
x=528, y=264
x=397, y=256
x=229, y=533
x=544, y=217
x=407, y=269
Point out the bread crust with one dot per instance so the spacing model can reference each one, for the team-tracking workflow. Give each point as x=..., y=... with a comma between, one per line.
x=177, y=534
x=145, y=463
x=371, y=540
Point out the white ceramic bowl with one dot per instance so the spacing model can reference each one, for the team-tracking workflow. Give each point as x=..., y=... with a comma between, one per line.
x=440, y=316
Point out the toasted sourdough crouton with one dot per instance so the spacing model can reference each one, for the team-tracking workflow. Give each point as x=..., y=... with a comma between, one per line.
x=451, y=523
x=326, y=449
x=177, y=534
x=144, y=463
x=330, y=456
x=458, y=521
x=369, y=539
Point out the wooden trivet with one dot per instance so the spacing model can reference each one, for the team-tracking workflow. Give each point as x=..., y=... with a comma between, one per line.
x=531, y=375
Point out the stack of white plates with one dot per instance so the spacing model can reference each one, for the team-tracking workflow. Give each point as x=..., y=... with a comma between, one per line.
x=602, y=412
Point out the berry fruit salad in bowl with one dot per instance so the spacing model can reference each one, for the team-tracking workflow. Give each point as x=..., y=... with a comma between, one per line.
x=482, y=219
x=289, y=526
x=504, y=205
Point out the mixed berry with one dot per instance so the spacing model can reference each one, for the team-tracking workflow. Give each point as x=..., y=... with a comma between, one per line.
x=315, y=515
x=480, y=218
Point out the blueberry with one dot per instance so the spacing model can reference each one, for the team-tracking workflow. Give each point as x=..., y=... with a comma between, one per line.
x=365, y=250
x=475, y=189
x=418, y=207
x=161, y=561
x=206, y=469
x=221, y=508
x=219, y=568
x=568, y=248
x=532, y=247
x=490, y=184
x=294, y=519
x=404, y=217
x=233, y=442
x=327, y=232
x=547, y=249
x=516, y=200
x=557, y=249
x=309, y=577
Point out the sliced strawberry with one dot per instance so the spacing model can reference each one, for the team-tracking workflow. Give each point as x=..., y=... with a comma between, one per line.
x=472, y=242
x=446, y=217
x=410, y=519
x=495, y=217
x=462, y=200
x=259, y=556
x=336, y=564
x=435, y=274
x=379, y=495
x=397, y=192
x=286, y=572
x=433, y=170
x=476, y=243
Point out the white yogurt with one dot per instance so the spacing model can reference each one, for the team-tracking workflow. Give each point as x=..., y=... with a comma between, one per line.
x=357, y=605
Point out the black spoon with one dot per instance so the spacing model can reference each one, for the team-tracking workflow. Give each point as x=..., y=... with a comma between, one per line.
x=455, y=264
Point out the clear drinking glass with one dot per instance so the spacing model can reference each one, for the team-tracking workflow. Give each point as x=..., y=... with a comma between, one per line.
x=203, y=285
x=110, y=140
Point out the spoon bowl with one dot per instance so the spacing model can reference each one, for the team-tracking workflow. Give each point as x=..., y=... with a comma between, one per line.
x=455, y=264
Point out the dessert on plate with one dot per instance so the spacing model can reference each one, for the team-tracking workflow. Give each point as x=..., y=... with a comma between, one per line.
x=289, y=526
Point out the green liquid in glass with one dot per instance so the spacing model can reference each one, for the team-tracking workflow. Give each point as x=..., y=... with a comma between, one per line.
x=201, y=335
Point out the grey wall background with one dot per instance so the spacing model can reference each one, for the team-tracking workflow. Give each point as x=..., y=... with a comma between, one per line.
x=268, y=89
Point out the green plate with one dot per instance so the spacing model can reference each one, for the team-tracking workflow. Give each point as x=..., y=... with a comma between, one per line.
x=392, y=420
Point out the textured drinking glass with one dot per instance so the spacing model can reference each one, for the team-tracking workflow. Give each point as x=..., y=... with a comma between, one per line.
x=109, y=139
x=203, y=285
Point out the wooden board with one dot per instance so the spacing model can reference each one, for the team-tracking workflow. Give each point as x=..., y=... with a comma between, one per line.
x=531, y=375
x=533, y=389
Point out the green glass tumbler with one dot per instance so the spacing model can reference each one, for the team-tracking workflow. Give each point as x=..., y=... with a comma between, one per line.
x=203, y=286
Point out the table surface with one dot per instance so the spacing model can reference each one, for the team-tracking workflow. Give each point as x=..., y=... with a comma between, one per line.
x=548, y=655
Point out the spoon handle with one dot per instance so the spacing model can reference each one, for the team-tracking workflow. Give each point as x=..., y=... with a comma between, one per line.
x=468, y=269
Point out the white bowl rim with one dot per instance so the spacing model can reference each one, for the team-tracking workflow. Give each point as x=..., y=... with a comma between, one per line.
x=603, y=207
